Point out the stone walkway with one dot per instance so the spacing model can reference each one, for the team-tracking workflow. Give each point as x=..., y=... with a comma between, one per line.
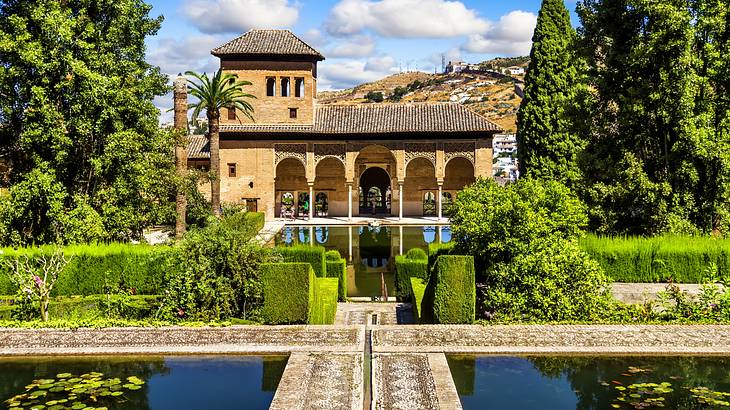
x=385, y=314
x=634, y=293
x=329, y=365
x=357, y=220
x=269, y=231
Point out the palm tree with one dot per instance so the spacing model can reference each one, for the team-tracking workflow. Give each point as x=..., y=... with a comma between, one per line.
x=223, y=90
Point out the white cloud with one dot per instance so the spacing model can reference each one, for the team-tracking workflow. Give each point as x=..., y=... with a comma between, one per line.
x=405, y=18
x=314, y=38
x=358, y=46
x=175, y=56
x=344, y=74
x=237, y=16
x=510, y=36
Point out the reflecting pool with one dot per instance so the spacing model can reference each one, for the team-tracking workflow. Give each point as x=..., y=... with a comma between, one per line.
x=369, y=251
x=595, y=383
x=178, y=382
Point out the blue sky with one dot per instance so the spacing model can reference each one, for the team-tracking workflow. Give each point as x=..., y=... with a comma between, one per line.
x=363, y=40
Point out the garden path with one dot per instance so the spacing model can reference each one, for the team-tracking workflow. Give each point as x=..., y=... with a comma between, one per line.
x=383, y=313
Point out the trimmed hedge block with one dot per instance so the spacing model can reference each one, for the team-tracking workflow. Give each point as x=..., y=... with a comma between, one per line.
x=437, y=249
x=92, y=268
x=418, y=291
x=288, y=289
x=407, y=268
x=337, y=268
x=454, y=300
x=324, y=306
x=68, y=307
x=313, y=255
x=247, y=223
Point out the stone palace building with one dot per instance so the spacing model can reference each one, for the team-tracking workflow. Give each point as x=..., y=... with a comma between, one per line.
x=384, y=159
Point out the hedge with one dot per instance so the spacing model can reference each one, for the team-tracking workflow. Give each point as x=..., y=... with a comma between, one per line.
x=248, y=223
x=659, y=259
x=413, y=264
x=314, y=255
x=454, y=300
x=288, y=289
x=69, y=307
x=437, y=249
x=418, y=290
x=323, y=307
x=337, y=268
x=97, y=269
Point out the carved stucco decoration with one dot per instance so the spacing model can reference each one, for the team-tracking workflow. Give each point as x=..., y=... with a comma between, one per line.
x=459, y=149
x=420, y=150
x=296, y=151
x=322, y=151
x=359, y=146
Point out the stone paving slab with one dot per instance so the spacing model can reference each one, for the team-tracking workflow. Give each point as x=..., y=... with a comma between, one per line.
x=318, y=381
x=182, y=340
x=555, y=339
x=633, y=293
x=386, y=313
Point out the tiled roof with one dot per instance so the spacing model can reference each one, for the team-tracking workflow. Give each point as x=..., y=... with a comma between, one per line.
x=382, y=119
x=267, y=42
x=198, y=147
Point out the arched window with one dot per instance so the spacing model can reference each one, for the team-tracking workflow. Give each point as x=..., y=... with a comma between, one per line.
x=321, y=204
x=429, y=204
x=303, y=208
x=285, y=87
x=271, y=86
x=299, y=87
x=446, y=201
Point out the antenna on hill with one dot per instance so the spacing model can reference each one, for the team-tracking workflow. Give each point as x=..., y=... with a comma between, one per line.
x=443, y=63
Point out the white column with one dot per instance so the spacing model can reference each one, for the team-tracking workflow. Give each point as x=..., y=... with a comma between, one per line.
x=349, y=202
x=438, y=198
x=349, y=237
x=400, y=240
x=400, y=200
x=311, y=201
x=311, y=235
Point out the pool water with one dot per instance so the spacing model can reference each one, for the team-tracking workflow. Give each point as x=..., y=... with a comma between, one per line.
x=370, y=251
x=595, y=383
x=177, y=382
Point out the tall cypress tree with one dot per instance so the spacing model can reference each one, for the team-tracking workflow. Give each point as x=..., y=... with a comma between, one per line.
x=548, y=144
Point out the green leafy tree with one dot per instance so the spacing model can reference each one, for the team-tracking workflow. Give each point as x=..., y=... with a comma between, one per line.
x=223, y=90
x=549, y=144
x=375, y=96
x=78, y=129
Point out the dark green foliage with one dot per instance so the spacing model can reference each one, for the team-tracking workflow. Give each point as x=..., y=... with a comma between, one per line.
x=247, y=223
x=413, y=264
x=324, y=305
x=375, y=96
x=398, y=94
x=288, y=289
x=337, y=268
x=658, y=120
x=95, y=268
x=437, y=249
x=494, y=224
x=215, y=274
x=549, y=145
x=660, y=259
x=418, y=291
x=314, y=255
x=454, y=299
x=78, y=128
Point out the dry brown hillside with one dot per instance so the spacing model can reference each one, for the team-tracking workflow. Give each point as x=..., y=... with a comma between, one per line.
x=488, y=94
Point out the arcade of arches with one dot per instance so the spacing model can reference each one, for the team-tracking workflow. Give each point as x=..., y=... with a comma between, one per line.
x=373, y=179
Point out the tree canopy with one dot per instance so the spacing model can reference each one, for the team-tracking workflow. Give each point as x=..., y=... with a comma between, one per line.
x=78, y=128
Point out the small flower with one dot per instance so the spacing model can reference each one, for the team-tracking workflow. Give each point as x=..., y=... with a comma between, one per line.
x=180, y=313
x=38, y=281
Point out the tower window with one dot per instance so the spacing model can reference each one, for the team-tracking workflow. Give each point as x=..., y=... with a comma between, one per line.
x=285, y=92
x=299, y=87
x=271, y=86
x=232, y=170
x=231, y=113
x=292, y=113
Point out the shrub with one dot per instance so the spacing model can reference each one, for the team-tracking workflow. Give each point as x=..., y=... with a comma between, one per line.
x=418, y=291
x=337, y=268
x=314, y=255
x=413, y=264
x=494, y=224
x=680, y=259
x=324, y=306
x=288, y=289
x=92, y=268
x=248, y=223
x=375, y=96
x=215, y=275
x=555, y=282
x=90, y=307
x=454, y=290
x=437, y=249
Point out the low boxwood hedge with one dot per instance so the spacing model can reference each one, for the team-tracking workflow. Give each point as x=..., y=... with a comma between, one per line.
x=324, y=306
x=313, y=255
x=138, y=307
x=288, y=289
x=337, y=268
x=418, y=291
x=413, y=264
x=454, y=300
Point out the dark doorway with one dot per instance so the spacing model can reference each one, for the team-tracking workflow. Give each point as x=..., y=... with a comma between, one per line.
x=375, y=192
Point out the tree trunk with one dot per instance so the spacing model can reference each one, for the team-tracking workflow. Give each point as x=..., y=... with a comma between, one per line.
x=44, y=308
x=215, y=166
x=181, y=157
